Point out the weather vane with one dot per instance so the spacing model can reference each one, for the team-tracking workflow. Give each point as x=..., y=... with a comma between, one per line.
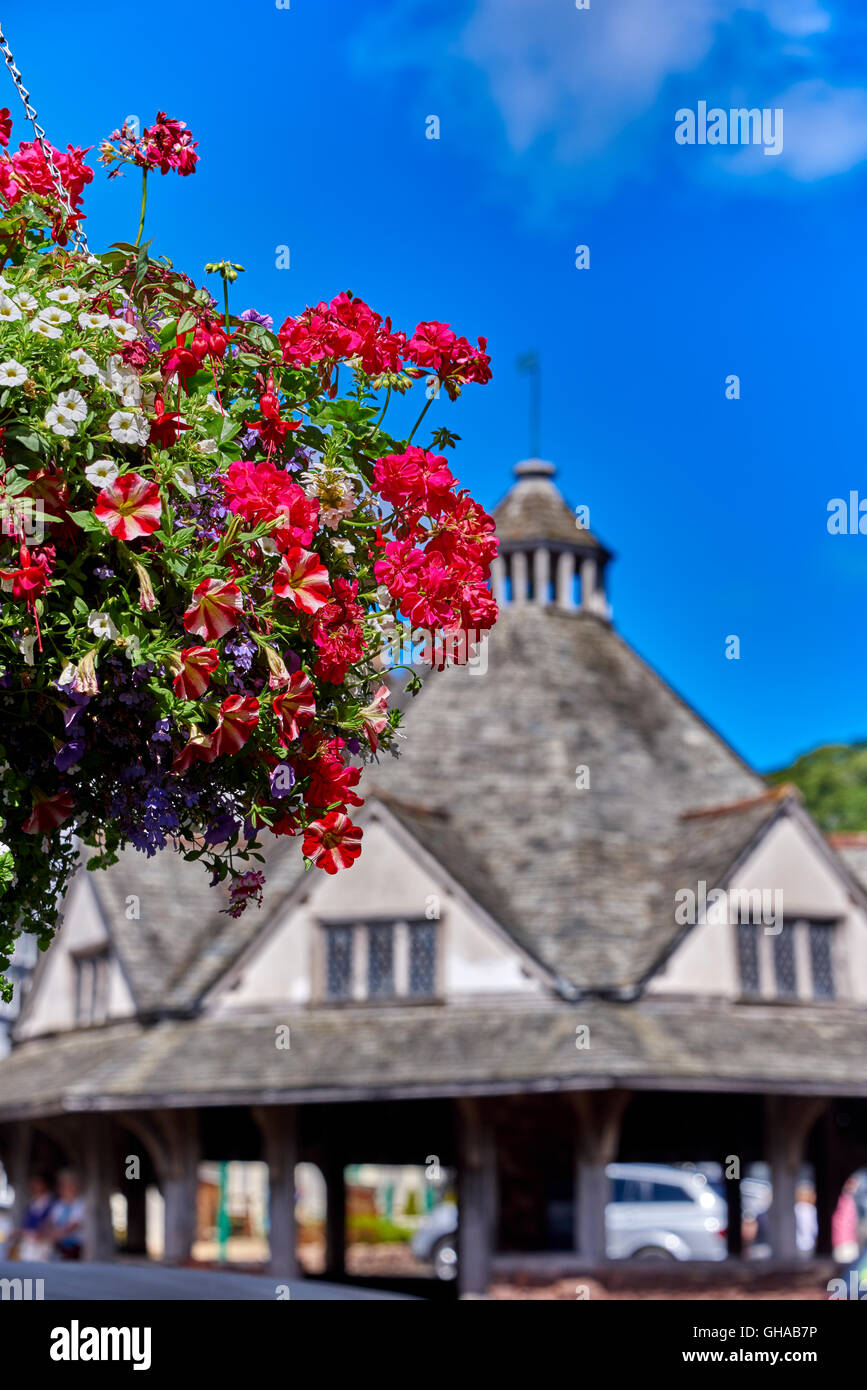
x=529, y=363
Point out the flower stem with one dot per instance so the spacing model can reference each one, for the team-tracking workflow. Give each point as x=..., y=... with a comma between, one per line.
x=144, y=199
x=430, y=401
x=226, y=301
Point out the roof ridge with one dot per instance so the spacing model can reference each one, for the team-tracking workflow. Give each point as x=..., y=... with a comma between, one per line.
x=773, y=794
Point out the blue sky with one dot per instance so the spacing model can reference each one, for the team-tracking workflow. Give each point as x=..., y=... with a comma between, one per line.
x=557, y=129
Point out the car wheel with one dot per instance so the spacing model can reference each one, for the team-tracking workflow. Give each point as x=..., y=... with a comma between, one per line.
x=445, y=1259
x=652, y=1252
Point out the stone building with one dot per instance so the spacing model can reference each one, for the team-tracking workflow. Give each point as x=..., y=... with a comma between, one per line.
x=581, y=929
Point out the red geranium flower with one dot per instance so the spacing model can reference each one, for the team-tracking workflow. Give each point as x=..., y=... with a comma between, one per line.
x=214, y=609
x=332, y=842
x=130, y=507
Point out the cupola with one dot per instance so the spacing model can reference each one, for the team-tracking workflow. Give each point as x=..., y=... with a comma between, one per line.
x=547, y=555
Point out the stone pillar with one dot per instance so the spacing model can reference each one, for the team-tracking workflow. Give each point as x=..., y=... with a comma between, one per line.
x=97, y=1164
x=788, y=1121
x=477, y=1195
x=519, y=577
x=179, y=1180
x=598, y=1116
x=563, y=596
x=280, y=1143
x=335, y=1214
x=589, y=581
x=541, y=575
x=498, y=580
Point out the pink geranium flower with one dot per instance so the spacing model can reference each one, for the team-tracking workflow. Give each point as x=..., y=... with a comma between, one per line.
x=303, y=580
x=130, y=507
x=214, y=609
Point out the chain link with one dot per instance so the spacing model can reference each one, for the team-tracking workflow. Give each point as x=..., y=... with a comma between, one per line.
x=78, y=235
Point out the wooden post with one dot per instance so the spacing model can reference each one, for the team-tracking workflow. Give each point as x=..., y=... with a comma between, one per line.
x=17, y=1154
x=477, y=1196
x=97, y=1155
x=788, y=1121
x=335, y=1215
x=598, y=1115
x=279, y=1128
x=734, y=1234
x=180, y=1183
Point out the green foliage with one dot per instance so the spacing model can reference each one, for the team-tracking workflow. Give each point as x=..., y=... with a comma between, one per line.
x=833, y=780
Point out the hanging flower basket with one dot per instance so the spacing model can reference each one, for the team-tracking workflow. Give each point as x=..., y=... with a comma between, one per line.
x=208, y=533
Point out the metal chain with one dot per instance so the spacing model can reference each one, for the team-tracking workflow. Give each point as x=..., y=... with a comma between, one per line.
x=78, y=235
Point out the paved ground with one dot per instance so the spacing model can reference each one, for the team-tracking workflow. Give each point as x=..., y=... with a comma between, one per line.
x=152, y=1282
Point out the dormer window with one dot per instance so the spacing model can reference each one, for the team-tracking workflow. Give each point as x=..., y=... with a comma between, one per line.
x=796, y=962
x=375, y=961
x=91, y=987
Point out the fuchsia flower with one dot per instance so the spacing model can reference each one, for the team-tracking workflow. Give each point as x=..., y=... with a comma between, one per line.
x=214, y=609
x=294, y=708
x=332, y=842
x=30, y=578
x=303, y=580
x=130, y=507
x=197, y=666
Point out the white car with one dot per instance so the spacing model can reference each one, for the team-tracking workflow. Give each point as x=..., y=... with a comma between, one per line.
x=655, y=1212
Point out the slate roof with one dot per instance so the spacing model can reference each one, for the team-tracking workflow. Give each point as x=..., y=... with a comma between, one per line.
x=440, y=1050
x=582, y=877
x=534, y=509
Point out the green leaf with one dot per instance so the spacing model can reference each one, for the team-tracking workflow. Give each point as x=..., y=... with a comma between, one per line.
x=186, y=321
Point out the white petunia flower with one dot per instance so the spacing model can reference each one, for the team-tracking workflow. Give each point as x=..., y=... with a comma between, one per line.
x=101, y=473
x=12, y=373
x=130, y=390
x=9, y=312
x=68, y=674
x=211, y=403
x=61, y=421
x=183, y=478
x=123, y=330
x=74, y=402
x=101, y=625
x=45, y=330
x=25, y=301
x=128, y=427
x=267, y=545
x=25, y=647
x=85, y=362
x=4, y=283
x=207, y=446
x=90, y=320
x=54, y=315
x=343, y=547
x=64, y=294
